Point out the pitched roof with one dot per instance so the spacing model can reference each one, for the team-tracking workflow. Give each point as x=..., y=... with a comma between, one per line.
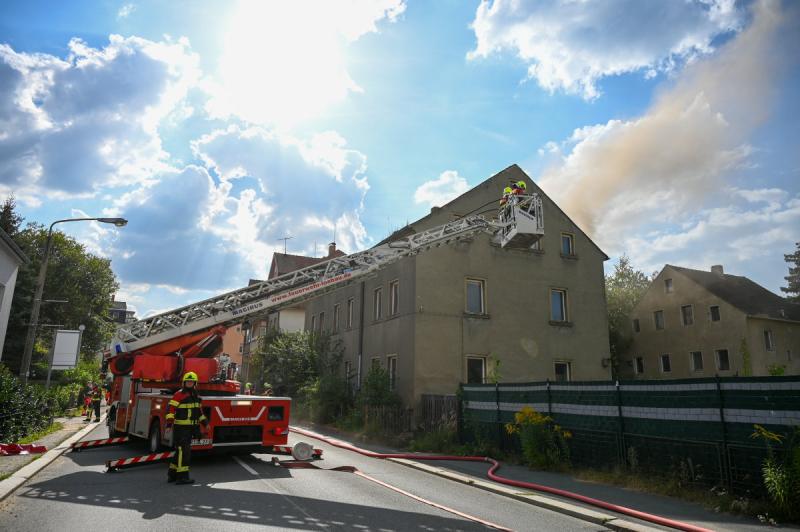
x=284, y=262
x=744, y=294
x=8, y=241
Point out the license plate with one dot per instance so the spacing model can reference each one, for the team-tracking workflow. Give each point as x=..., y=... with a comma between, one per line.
x=204, y=441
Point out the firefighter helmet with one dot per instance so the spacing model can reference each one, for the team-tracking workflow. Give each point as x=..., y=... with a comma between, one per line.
x=190, y=376
x=522, y=185
x=507, y=190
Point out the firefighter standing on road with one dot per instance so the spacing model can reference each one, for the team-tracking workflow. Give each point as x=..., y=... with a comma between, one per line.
x=96, y=396
x=185, y=413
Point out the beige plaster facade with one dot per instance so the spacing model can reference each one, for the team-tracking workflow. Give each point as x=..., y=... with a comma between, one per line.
x=430, y=340
x=729, y=314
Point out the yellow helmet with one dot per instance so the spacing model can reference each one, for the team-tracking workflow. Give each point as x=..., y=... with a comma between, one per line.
x=507, y=190
x=522, y=185
x=190, y=376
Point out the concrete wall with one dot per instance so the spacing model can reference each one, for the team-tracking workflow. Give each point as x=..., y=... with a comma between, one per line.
x=9, y=267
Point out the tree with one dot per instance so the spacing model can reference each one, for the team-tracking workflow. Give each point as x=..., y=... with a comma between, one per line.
x=10, y=221
x=84, y=280
x=793, y=279
x=624, y=288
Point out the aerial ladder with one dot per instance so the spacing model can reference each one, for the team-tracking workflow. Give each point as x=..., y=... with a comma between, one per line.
x=148, y=357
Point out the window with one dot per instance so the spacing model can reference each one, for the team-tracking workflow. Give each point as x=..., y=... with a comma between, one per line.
x=321, y=321
x=636, y=327
x=391, y=366
x=696, y=360
x=558, y=305
x=394, y=298
x=567, y=244
x=668, y=286
x=377, y=303
x=348, y=369
x=713, y=311
x=475, y=296
x=350, y=304
x=687, y=314
x=562, y=370
x=723, y=362
x=476, y=370
x=769, y=344
x=313, y=322
x=537, y=246
x=639, y=365
x=666, y=366
x=658, y=318
x=376, y=362
x=336, y=317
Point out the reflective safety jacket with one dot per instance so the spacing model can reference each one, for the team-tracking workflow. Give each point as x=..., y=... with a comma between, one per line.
x=97, y=394
x=185, y=408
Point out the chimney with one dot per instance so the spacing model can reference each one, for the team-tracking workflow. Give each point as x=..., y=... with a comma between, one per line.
x=717, y=268
x=434, y=210
x=331, y=249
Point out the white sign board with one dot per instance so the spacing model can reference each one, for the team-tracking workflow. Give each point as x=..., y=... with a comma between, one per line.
x=65, y=349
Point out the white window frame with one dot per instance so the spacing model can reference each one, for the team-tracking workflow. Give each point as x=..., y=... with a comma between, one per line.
x=693, y=365
x=636, y=362
x=691, y=315
x=391, y=368
x=571, y=239
x=769, y=340
x=377, y=303
x=569, y=370
x=482, y=284
x=336, y=309
x=351, y=303
x=663, y=320
x=661, y=362
x=716, y=356
x=394, y=297
x=483, y=367
x=564, y=304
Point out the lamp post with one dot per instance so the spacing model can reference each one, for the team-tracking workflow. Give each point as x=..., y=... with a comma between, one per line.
x=37, y=298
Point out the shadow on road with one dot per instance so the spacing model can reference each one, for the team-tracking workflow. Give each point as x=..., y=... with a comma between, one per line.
x=154, y=499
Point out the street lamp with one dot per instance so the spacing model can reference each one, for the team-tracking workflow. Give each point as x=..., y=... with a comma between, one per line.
x=37, y=298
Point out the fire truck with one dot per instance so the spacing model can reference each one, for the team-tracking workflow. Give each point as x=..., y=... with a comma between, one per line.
x=148, y=357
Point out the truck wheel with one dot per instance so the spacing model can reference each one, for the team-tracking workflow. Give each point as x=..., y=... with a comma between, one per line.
x=111, y=420
x=154, y=440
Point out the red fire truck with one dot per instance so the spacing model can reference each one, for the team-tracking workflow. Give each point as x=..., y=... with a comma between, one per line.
x=148, y=357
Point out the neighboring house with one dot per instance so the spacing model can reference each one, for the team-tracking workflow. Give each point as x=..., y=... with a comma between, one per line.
x=444, y=316
x=233, y=345
x=11, y=258
x=120, y=314
x=693, y=323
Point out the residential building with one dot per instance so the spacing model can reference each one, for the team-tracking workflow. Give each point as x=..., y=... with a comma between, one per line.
x=120, y=314
x=11, y=258
x=233, y=345
x=694, y=323
x=445, y=316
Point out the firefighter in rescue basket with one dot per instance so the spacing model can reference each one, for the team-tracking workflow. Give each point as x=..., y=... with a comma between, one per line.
x=185, y=414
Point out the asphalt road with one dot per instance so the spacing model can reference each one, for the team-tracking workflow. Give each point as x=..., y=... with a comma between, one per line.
x=247, y=492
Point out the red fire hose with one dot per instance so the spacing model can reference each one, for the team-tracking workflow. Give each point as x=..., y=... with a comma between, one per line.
x=491, y=474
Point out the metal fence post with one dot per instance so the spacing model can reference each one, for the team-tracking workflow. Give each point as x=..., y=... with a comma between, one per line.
x=621, y=443
x=497, y=415
x=725, y=472
x=549, y=399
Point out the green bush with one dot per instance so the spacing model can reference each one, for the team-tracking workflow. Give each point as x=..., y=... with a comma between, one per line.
x=781, y=471
x=544, y=444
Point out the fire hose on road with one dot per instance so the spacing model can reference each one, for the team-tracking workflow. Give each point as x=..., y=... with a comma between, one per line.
x=491, y=474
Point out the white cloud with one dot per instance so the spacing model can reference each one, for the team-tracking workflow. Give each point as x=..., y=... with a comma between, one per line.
x=571, y=45
x=72, y=125
x=436, y=192
x=281, y=66
x=125, y=11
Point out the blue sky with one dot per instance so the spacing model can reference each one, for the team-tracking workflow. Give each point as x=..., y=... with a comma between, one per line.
x=667, y=130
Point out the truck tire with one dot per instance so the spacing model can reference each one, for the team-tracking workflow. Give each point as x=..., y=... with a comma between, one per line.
x=154, y=438
x=111, y=420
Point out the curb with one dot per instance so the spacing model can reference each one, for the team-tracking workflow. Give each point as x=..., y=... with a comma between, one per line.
x=25, y=473
x=556, y=505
